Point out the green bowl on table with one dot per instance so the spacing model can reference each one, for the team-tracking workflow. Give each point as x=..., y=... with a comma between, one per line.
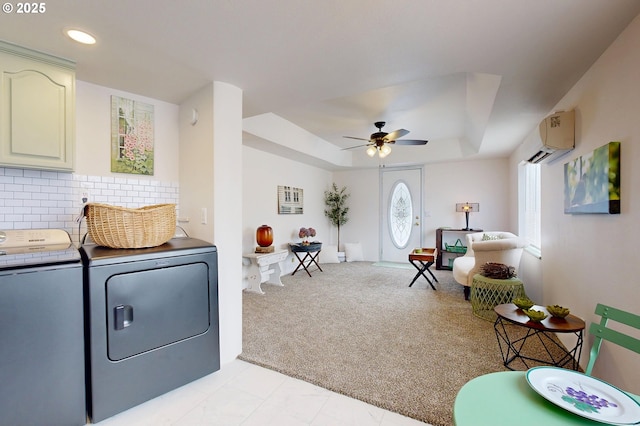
x=534, y=315
x=523, y=303
x=558, y=311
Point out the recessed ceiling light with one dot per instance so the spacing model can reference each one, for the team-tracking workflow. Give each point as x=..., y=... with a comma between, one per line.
x=81, y=37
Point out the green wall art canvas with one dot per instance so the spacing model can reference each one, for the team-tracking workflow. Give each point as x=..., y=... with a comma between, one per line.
x=131, y=136
x=592, y=181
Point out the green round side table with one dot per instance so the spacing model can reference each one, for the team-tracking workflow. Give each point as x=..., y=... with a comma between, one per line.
x=487, y=293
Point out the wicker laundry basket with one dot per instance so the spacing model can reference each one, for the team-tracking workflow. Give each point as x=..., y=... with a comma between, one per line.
x=120, y=227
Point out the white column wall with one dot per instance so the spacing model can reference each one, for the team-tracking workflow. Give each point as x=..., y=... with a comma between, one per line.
x=211, y=177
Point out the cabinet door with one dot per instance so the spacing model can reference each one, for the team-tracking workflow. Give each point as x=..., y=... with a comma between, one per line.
x=37, y=107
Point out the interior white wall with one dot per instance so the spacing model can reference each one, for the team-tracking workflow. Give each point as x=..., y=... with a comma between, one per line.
x=227, y=216
x=211, y=152
x=93, y=133
x=589, y=259
x=530, y=272
x=445, y=184
x=476, y=181
x=196, y=160
x=364, y=210
x=263, y=172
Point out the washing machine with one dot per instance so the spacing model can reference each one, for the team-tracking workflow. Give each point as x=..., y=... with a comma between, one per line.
x=151, y=319
x=42, y=371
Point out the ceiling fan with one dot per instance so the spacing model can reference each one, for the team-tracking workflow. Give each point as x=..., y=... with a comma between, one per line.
x=379, y=141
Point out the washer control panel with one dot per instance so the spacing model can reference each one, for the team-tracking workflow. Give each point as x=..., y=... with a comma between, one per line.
x=13, y=241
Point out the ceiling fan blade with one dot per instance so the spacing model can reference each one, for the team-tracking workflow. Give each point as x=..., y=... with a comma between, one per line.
x=357, y=146
x=353, y=137
x=410, y=142
x=396, y=134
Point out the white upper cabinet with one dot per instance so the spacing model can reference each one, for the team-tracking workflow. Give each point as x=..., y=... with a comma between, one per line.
x=37, y=110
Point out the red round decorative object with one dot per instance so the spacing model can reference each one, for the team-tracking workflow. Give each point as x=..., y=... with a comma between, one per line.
x=264, y=236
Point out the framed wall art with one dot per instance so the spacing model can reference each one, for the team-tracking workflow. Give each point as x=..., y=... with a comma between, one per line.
x=592, y=182
x=290, y=200
x=131, y=136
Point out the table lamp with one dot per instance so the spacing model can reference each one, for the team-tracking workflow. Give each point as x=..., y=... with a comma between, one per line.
x=466, y=208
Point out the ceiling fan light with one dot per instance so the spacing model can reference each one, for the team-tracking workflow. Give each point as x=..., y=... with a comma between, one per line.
x=371, y=151
x=385, y=150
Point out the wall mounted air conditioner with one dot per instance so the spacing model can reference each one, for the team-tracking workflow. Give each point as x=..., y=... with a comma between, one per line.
x=557, y=137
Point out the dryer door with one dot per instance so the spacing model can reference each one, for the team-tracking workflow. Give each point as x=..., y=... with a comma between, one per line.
x=150, y=309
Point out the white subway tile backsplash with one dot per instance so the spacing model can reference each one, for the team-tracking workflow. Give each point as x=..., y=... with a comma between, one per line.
x=31, y=199
x=16, y=172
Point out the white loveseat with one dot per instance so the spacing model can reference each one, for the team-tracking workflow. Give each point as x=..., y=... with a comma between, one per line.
x=483, y=247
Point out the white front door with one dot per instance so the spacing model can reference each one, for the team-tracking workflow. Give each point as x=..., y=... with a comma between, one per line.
x=401, y=218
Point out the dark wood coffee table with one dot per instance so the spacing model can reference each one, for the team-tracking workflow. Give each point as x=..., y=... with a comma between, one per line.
x=544, y=330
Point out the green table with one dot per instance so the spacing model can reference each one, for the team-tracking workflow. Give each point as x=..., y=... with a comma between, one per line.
x=487, y=293
x=506, y=399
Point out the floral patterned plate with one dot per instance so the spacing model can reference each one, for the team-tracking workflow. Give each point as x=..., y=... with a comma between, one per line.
x=584, y=395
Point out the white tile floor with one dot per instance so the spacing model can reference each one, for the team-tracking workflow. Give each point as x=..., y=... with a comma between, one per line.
x=245, y=394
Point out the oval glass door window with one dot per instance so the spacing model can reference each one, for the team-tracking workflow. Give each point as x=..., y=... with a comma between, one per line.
x=400, y=214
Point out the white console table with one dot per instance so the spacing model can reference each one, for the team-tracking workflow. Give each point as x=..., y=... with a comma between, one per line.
x=264, y=268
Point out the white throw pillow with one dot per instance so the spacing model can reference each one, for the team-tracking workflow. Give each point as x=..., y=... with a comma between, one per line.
x=329, y=254
x=491, y=237
x=353, y=252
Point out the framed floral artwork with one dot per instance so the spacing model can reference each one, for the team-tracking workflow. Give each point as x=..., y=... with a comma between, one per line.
x=131, y=136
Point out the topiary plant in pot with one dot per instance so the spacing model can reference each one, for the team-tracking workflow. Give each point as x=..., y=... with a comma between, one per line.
x=337, y=210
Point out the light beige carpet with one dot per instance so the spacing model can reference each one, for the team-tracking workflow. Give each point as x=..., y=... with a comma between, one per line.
x=359, y=330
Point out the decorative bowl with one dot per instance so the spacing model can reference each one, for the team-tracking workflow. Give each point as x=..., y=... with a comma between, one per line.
x=523, y=303
x=558, y=311
x=534, y=315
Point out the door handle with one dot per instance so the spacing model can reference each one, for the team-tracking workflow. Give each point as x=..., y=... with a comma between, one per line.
x=122, y=316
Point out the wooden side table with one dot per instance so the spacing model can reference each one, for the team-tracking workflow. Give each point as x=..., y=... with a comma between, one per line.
x=264, y=268
x=544, y=330
x=422, y=261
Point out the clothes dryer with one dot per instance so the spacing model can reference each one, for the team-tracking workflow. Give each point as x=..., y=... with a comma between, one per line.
x=152, y=321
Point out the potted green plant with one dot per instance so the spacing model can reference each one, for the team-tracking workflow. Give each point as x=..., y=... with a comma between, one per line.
x=337, y=210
